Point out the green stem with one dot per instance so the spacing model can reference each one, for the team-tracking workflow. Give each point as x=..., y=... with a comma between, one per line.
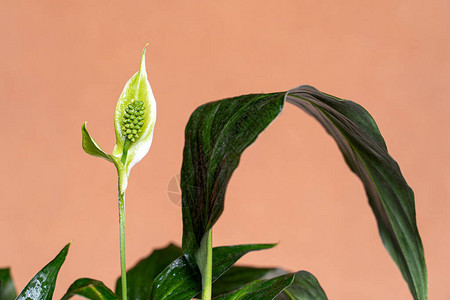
x=207, y=271
x=122, y=244
x=125, y=150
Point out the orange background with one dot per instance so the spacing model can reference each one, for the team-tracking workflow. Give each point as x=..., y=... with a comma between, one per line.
x=66, y=62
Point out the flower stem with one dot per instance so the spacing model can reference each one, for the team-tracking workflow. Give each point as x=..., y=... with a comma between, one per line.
x=122, y=243
x=207, y=271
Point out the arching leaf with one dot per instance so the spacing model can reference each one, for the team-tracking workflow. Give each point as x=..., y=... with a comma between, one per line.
x=304, y=287
x=263, y=289
x=390, y=197
x=90, y=289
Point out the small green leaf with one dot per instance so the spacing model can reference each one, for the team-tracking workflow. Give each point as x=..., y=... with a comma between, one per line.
x=7, y=288
x=91, y=147
x=216, y=135
x=90, y=289
x=140, y=277
x=42, y=285
x=182, y=279
x=304, y=287
x=390, y=197
x=238, y=276
x=260, y=289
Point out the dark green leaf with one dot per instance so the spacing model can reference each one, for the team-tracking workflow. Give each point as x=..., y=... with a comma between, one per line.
x=216, y=135
x=238, y=276
x=390, y=197
x=90, y=289
x=304, y=287
x=140, y=277
x=260, y=289
x=226, y=256
x=42, y=285
x=182, y=279
x=7, y=288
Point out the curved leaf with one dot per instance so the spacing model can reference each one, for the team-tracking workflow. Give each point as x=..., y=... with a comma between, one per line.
x=42, y=285
x=260, y=289
x=140, y=277
x=90, y=289
x=304, y=287
x=216, y=135
x=390, y=197
x=182, y=279
x=7, y=288
x=90, y=146
x=238, y=276
x=226, y=256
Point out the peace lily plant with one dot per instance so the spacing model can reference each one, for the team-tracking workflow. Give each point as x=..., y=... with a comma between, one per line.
x=215, y=137
x=134, y=121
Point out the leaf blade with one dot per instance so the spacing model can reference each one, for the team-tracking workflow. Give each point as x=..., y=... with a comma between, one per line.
x=7, y=288
x=182, y=278
x=238, y=276
x=42, y=285
x=90, y=289
x=305, y=287
x=140, y=277
x=390, y=197
x=216, y=135
x=260, y=289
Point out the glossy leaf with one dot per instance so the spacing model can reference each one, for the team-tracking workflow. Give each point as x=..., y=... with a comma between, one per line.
x=226, y=256
x=304, y=287
x=90, y=289
x=42, y=285
x=216, y=135
x=238, y=276
x=390, y=197
x=182, y=279
x=140, y=277
x=260, y=289
x=7, y=288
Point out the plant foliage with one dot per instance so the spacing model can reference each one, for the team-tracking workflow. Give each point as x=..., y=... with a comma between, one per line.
x=215, y=137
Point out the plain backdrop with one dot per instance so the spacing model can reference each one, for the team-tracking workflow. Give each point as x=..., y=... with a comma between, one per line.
x=66, y=62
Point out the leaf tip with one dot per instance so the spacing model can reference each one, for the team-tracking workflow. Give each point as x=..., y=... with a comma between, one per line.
x=65, y=250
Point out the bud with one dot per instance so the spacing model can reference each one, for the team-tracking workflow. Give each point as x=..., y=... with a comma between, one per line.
x=134, y=121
